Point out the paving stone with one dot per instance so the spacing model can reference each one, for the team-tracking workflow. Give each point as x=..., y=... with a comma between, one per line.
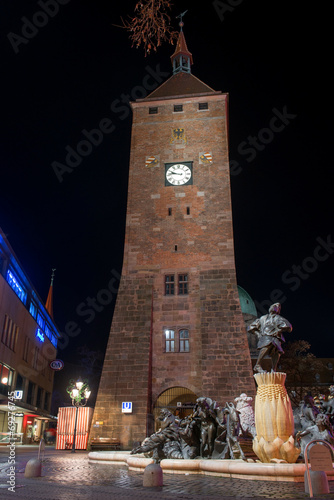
x=70, y=477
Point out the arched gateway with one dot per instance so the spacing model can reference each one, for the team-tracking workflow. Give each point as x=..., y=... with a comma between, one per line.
x=179, y=400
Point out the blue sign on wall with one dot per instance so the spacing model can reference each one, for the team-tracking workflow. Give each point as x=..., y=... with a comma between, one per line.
x=40, y=335
x=127, y=407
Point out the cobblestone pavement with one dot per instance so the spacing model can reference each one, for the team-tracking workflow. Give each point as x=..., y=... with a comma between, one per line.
x=69, y=476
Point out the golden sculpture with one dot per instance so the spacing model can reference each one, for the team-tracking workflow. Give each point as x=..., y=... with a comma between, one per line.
x=273, y=419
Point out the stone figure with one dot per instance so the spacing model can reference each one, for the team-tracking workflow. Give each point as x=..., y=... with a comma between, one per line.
x=204, y=411
x=246, y=415
x=269, y=331
x=209, y=432
x=232, y=432
x=305, y=414
x=321, y=429
x=166, y=442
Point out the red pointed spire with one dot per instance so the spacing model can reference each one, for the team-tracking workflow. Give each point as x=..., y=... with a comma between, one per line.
x=182, y=58
x=49, y=300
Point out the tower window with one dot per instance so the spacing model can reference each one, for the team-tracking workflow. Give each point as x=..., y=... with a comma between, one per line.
x=188, y=210
x=169, y=211
x=170, y=340
x=203, y=105
x=178, y=108
x=153, y=110
x=184, y=340
x=169, y=284
x=183, y=284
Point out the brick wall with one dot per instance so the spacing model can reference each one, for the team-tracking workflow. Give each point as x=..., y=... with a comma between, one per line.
x=175, y=230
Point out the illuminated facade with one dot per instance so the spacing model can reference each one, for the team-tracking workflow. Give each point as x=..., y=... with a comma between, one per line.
x=28, y=342
x=178, y=332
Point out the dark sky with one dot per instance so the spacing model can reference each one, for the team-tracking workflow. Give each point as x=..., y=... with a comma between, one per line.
x=68, y=74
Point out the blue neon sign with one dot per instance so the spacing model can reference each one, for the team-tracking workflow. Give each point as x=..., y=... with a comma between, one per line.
x=40, y=335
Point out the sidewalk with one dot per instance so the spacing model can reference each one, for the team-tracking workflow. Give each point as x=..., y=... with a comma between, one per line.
x=69, y=476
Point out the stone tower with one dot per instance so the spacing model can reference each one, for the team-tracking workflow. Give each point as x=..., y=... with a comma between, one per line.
x=177, y=331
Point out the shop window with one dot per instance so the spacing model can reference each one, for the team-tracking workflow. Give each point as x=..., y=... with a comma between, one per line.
x=19, y=386
x=47, y=401
x=6, y=378
x=31, y=393
x=184, y=340
x=39, y=397
x=170, y=340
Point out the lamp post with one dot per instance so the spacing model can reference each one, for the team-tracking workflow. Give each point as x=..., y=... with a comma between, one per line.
x=79, y=393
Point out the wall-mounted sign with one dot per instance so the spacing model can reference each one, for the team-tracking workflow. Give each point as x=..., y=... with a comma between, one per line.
x=127, y=407
x=40, y=335
x=19, y=414
x=18, y=394
x=57, y=364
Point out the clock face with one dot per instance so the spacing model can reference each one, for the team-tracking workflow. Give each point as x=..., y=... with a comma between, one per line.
x=178, y=174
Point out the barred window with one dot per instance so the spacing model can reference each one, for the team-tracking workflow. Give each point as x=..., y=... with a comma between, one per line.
x=184, y=340
x=169, y=284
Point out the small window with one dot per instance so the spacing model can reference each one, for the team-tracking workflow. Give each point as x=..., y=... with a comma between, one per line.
x=170, y=340
x=203, y=105
x=169, y=211
x=153, y=110
x=175, y=248
x=169, y=284
x=178, y=108
x=184, y=340
x=188, y=210
x=183, y=284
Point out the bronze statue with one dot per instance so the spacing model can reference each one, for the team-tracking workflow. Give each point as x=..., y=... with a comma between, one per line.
x=269, y=331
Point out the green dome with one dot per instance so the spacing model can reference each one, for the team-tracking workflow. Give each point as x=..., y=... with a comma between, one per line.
x=246, y=302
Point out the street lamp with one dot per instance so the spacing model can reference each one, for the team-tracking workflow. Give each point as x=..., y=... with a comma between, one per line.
x=79, y=392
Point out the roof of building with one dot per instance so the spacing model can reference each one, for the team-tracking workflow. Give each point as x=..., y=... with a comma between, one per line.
x=182, y=82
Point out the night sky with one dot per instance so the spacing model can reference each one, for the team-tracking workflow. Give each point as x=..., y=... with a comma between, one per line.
x=71, y=74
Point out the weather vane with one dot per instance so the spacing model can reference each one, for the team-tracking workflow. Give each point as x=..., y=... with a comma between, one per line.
x=52, y=276
x=181, y=23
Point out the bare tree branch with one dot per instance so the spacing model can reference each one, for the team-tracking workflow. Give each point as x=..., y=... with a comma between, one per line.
x=151, y=25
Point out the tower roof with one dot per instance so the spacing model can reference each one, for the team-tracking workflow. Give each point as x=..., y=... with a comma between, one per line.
x=49, y=300
x=182, y=82
x=181, y=48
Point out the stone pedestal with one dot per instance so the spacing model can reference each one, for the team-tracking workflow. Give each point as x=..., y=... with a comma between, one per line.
x=273, y=419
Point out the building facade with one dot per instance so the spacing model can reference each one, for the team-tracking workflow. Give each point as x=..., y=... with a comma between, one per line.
x=177, y=332
x=28, y=342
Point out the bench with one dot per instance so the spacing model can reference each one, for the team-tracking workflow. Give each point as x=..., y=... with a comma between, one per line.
x=101, y=443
